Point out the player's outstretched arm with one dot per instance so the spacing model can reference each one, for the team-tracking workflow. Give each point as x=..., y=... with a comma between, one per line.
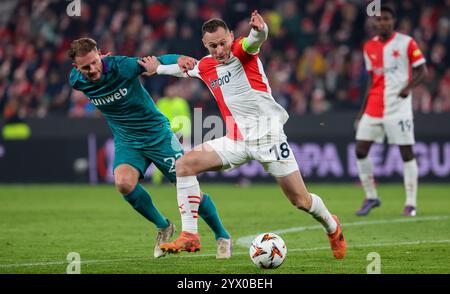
x=184, y=62
x=258, y=34
x=150, y=64
x=153, y=66
x=168, y=58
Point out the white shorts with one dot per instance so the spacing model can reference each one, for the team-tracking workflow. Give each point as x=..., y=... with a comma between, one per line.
x=272, y=151
x=399, y=130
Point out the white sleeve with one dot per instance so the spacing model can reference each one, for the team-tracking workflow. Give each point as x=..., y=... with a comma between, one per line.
x=255, y=39
x=174, y=70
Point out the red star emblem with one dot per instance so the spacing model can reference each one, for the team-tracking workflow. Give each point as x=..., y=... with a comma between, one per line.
x=396, y=53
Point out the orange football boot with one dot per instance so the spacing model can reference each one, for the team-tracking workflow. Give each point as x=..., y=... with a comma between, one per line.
x=189, y=242
x=337, y=241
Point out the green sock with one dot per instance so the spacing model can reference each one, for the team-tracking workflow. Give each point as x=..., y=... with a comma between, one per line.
x=207, y=210
x=142, y=202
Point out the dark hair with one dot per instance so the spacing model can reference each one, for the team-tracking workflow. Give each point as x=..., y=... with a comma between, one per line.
x=81, y=47
x=389, y=9
x=212, y=25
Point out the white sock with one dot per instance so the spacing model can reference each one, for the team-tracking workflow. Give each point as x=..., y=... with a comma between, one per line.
x=188, y=196
x=410, y=179
x=366, y=177
x=321, y=214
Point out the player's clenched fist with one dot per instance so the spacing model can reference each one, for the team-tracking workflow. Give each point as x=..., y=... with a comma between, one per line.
x=186, y=63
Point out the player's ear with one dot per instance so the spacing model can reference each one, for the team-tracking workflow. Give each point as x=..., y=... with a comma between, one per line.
x=103, y=55
x=232, y=36
x=204, y=43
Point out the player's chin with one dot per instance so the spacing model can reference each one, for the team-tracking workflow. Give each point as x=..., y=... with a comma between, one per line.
x=222, y=59
x=385, y=31
x=94, y=78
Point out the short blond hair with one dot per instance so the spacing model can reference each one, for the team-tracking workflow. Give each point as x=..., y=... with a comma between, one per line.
x=81, y=47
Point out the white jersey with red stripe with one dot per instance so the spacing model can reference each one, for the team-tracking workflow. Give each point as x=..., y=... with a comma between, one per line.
x=390, y=63
x=242, y=92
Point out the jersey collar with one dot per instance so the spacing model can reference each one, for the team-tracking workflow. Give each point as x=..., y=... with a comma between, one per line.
x=106, y=66
x=388, y=40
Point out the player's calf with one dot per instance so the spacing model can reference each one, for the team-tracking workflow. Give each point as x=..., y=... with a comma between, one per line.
x=124, y=187
x=302, y=202
x=185, y=166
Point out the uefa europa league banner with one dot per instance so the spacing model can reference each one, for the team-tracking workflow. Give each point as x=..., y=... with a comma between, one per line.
x=90, y=160
x=62, y=150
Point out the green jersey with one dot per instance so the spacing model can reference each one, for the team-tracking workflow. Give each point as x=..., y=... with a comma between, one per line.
x=128, y=108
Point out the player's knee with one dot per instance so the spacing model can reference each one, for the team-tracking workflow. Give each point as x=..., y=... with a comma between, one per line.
x=407, y=154
x=124, y=184
x=408, y=157
x=183, y=168
x=361, y=151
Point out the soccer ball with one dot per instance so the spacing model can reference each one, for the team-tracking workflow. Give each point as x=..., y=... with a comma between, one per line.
x=268, y=250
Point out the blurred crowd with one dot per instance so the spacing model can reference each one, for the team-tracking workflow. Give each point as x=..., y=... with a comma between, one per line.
x=313, y=56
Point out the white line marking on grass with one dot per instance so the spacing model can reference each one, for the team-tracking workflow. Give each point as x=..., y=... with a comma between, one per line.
x=247, y=240
x=385, y=244
x=43, y=263
x=197, y=255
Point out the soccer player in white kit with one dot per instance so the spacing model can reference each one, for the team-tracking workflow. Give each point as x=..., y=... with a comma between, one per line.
x=254, y=122
x=395, y=65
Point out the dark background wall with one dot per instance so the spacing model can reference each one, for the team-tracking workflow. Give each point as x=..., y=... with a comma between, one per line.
x=81, y=150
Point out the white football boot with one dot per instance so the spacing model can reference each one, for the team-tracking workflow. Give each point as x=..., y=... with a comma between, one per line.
x=224, y=248
x=163, y=236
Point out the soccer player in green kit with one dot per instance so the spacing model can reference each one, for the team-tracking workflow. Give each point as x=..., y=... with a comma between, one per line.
x=142, y=134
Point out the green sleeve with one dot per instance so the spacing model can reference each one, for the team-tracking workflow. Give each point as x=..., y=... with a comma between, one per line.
x=129, y=68
x=168, y=59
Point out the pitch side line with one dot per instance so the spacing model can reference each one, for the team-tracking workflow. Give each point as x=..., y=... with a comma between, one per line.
x=247, y=240
x=418, y=242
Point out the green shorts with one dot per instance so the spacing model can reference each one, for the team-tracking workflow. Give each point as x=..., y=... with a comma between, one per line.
x=163, y=155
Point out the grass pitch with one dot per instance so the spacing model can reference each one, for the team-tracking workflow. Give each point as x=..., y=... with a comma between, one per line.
x=40, y=225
